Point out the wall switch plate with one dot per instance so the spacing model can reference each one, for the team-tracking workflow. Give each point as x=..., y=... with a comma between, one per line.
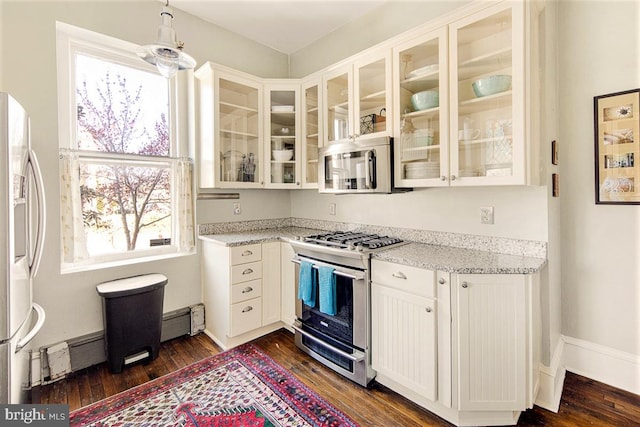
x=332, y=208
x=236, y=208
x=486, y=215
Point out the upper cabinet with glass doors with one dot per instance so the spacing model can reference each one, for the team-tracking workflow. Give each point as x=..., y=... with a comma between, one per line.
x=487, y=127
x=282, y=112
x=311, y=131
x=421, y=100
x=230, y=121
x=357, y=99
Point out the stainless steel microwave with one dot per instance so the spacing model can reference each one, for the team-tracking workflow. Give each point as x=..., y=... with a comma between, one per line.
x=357, y=167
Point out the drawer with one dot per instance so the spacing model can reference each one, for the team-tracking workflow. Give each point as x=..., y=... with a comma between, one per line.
x=246, y=290
x=246, y=253
x=417, y=281
x=245, y=272
x=245, y=316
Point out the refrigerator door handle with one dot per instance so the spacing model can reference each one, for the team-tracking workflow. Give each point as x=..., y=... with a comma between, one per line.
x=34, y=263
x=36, y=328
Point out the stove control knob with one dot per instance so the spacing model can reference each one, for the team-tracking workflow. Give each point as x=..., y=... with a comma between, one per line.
x=351, y=247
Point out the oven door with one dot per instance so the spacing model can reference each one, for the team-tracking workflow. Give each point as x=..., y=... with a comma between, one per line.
x=340, y=341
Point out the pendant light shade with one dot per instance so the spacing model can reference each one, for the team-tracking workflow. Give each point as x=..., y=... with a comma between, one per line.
x=166, y=53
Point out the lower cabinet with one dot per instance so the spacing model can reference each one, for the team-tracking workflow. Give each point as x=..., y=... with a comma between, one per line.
x=241, y=291
x=464, y=346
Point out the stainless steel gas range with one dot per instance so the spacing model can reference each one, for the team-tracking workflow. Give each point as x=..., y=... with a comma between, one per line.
x=334, y=269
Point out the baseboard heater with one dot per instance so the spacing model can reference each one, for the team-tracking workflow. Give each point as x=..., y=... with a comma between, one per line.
x=89, y=350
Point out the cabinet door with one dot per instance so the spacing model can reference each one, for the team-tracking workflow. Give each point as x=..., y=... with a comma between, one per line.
x=270, y=283
x=421, y=99
x=404, y=338
x=373, y=115
x=311, y=131
x=338, y=104
x=487, y=97
x=288, y=291
x=492, y=342
x=282, y=158
x=238, y=131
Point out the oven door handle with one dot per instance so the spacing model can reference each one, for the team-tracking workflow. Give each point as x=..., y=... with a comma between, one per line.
x=336, y=271
x=356, y=359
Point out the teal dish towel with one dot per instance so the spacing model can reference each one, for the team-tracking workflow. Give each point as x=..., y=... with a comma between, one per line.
x=327, y=293
x=307, y=284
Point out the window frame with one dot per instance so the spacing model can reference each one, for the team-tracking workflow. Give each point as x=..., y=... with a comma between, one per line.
x=72, y=40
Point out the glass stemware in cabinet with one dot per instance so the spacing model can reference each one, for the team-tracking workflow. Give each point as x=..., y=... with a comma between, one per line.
x=422, y=127
x=239, y=132
x=485, y=97
x=283, y=137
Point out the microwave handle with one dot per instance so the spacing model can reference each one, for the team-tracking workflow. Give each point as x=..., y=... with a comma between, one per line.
x=370, y=170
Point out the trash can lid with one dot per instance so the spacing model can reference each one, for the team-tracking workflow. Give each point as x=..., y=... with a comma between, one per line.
x=131, y=285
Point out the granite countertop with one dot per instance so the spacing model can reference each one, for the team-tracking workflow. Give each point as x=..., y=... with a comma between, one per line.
x=432, y=257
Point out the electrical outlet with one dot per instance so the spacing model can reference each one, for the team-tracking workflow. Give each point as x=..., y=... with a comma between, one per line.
x=332, y=208
x=486, y=215
x=236, y=208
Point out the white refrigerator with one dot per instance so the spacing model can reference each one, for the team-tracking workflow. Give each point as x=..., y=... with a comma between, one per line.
x=22, y=218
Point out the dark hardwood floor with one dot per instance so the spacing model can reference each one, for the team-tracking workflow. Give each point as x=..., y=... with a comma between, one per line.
x=584, y=402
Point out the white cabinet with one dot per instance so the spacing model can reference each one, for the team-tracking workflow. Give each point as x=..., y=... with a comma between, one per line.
x=481, y=129
x=230, y=149
x=357, y=98
x=311, y=130
x=240, y=291
x=282, y=121
x=495, y=330
x=404, y=316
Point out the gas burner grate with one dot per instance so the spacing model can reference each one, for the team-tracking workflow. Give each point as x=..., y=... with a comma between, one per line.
x=352, y=239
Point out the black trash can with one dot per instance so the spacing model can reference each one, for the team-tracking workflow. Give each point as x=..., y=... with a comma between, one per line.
x=132, y=313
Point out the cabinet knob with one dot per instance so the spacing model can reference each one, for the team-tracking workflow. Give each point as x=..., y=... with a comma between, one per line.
x=247, y=271
x=247, y=253
x=465, y=285
x=428, y=310
x=453, y=177
x=442, y=281
x=247, y=290
x=399, y=275
x=443, y=178
x=247, y=309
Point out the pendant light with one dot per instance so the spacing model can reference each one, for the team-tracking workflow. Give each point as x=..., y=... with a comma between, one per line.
x=166, y=53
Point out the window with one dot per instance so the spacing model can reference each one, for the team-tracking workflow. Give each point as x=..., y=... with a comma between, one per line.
x=125, y=192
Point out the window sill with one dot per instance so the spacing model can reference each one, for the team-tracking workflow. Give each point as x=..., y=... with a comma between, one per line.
x=77, y=268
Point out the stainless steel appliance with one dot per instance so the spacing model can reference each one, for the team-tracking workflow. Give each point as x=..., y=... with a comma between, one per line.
x=361, y=166
x=341, y=341
x=22, y=217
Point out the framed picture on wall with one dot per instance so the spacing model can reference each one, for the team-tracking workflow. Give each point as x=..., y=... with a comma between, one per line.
x=617, y=153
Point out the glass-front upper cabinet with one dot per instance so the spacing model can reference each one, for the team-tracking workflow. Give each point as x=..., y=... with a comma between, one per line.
x=357, y=98
x=421, y=100
x=230, y=146
x=283, y=130
x=488, y=97
x=311, y=131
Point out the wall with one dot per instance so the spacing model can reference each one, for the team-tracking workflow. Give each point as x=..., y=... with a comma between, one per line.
x=599, y=53
x=29, y=73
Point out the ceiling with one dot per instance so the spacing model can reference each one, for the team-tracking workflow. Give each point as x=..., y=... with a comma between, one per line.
x=284, y=25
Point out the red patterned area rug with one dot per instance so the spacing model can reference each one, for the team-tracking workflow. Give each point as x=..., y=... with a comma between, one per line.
x=241, y=387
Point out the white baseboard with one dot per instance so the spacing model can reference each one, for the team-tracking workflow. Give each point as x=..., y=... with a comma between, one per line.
x=552, y=381
x=613, y=367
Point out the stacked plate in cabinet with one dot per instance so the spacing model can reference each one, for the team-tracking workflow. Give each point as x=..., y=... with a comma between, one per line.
x=421, y=170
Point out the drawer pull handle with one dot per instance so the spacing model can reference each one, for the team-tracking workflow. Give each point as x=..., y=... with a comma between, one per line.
x=247, y=253
x=465, y=285
x=247, y=309
x=428, y=309
x=247, y=290
x=442, y=281
x=399, y=275
x=247, y=271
